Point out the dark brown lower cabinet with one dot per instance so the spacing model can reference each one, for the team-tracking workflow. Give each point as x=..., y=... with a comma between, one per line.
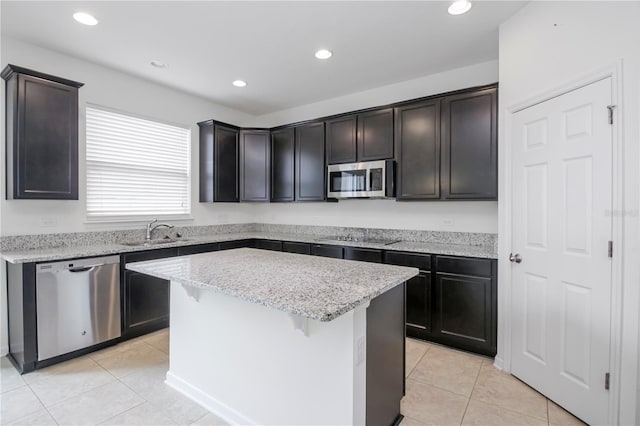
x=419, y=305
x=326, y=250
x=200, y=248
x=227, y=245
x=294, y=247
x=464, y=316
x=419, y=292
x=465, y=304
x=453, y=300
x=269, y=245
x=145, y=298
x=363, y=254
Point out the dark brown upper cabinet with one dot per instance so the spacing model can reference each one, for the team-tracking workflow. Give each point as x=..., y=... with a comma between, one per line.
x=341, y=140
x=375, y=135
x=470, y=146
x=310, y=168
x=41, y=135
x=282, y=164
x=218, y=162
x=255, y=148
x=418, y=151
x=363, y=137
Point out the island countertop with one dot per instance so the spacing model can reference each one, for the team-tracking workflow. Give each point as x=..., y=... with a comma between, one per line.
x=309, y=286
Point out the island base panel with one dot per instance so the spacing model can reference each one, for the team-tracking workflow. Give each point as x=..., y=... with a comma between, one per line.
x=249, y=365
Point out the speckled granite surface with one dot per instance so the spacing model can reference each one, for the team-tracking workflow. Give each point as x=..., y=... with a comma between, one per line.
x=313, y=287
x=51, y=247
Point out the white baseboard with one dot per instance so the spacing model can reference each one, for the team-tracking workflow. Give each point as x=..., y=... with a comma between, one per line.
x=498, y=363
x=4, y=350
x=218, y=408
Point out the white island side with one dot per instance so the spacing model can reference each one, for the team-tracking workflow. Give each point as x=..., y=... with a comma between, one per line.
x=270, y=338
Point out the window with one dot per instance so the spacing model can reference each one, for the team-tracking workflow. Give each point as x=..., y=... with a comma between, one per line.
x=136, y=168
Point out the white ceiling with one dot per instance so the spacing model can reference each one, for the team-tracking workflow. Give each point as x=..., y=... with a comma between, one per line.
x=271, y=45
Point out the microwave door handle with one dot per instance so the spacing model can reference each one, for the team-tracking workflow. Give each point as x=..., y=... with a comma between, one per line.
x=367, y=184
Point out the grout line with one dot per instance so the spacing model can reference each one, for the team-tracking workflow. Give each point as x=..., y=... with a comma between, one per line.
x=122, y=412
x=416, y=364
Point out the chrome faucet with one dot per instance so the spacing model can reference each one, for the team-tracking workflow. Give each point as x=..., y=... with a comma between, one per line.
x=151, y=228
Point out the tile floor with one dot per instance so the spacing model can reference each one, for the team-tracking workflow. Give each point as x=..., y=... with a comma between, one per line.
x=124, y=385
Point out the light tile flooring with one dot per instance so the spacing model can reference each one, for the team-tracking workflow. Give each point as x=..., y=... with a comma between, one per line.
x=124, y=385
x=449, y=387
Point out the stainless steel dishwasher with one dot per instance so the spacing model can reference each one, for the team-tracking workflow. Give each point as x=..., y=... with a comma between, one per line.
x=77, y=304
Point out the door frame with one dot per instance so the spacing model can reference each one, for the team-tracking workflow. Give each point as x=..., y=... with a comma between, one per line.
x=503, y=358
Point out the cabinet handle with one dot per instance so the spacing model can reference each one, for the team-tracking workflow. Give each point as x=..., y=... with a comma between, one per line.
x=85, y=268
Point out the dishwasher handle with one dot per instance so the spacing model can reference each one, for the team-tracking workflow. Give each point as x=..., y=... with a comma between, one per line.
x=86, y=268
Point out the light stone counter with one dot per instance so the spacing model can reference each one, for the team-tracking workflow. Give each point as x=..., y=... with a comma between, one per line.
x=309, y=286
x=89, y=250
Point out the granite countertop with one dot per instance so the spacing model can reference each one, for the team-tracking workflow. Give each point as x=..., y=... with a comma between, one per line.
x=61, y=253
x=310, y=286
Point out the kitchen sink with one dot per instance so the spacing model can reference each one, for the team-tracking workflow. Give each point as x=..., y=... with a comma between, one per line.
x=152, y=242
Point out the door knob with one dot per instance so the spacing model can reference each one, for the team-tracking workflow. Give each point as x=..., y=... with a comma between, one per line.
x=515, y=257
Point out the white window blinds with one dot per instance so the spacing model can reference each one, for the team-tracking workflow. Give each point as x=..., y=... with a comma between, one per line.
x=135, y=167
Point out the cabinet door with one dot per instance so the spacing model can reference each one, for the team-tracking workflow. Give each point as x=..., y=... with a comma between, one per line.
x=375, y=135
x=200, y=248
x=363, y=254
x=227, y=245
x=282, y=164
x=470, y=146
x=206, y=162
x=419, y=303
x=269, y=245
x=44, y=152
x=418, y=144
x=147, y=299
x=300, y=248
x=254, y=165
x=341, y=140
x=225, y=159
x=310, y=165
x=465, y=312
x=326, y=250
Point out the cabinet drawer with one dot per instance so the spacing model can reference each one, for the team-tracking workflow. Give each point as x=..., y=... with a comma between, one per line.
x=149, y=255
x=327, y=251
x=200, y=248
x=301, y=248
x=269, y=245
x=227, y=245
x=362, y=254
x=420, y=261
x=464, y=266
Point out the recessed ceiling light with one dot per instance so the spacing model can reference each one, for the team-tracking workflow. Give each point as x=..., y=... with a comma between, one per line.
x=459, y=7
x=85, y=18
x=239, y=83
x=158, y=64
x=323, y=54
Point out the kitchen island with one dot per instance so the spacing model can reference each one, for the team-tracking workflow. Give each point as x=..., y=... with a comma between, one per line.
x=262, y=337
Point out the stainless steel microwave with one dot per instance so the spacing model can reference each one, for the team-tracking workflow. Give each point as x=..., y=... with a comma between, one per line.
x=371, y=179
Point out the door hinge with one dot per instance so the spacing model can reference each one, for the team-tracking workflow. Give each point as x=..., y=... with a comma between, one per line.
x=606, y=381
x=610, y=249
x=611, y=108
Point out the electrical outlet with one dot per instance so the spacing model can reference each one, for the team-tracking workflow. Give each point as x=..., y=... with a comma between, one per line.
x=448, y=222
x=361, y=350
x=47, y=222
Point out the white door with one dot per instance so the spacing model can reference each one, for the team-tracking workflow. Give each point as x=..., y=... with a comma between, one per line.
x=562, y=177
